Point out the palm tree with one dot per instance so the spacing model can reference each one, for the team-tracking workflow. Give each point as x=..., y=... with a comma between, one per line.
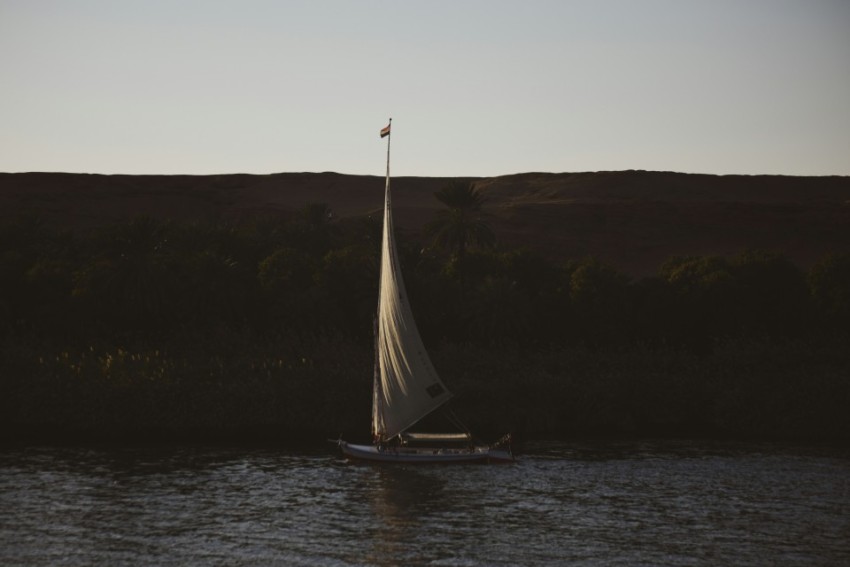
x=314, y=224
x=462, y=224
x=129, y=279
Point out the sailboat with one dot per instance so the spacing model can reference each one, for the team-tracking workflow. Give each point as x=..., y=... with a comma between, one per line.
x=406, y=387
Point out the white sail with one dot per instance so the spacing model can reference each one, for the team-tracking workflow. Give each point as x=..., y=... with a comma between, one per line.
x=407, y=387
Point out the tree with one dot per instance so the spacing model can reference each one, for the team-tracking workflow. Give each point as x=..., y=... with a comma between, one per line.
x=462, y=225
x=829, y=282
x=539, y=283
x=36, y=277
x=129, y=279
x=348, y=282
x=500, y=313
x=313, y=226
x=598, y=301
x=704, y=299
x=773, y=295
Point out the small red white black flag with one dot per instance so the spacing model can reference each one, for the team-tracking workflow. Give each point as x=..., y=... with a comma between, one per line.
x=385, y=131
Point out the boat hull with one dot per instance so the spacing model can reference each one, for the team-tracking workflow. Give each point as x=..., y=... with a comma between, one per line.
x=476, y=454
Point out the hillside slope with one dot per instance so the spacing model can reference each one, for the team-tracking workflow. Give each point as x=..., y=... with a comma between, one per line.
x=633, y=220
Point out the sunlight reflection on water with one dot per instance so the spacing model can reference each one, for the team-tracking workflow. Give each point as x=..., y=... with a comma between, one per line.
x=626, y=503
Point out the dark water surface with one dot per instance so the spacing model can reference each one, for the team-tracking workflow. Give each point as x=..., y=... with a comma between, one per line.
x=629, y=503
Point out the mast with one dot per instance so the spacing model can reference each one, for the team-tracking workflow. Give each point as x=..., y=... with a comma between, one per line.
x=408, y=387
x=377, y=392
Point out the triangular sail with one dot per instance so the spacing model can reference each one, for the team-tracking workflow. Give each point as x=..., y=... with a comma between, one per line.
x=407, y=387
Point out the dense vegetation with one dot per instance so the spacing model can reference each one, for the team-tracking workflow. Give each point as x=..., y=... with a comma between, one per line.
x=263, y=329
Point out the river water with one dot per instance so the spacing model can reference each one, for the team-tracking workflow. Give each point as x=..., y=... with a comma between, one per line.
x=577, y=503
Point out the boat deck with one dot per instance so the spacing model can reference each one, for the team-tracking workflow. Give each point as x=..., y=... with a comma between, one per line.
x=405, y=454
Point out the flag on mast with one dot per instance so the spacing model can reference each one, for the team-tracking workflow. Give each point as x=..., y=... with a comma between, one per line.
x=385, y=131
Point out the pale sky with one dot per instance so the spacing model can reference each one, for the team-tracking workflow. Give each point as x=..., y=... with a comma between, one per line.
x=475, y=88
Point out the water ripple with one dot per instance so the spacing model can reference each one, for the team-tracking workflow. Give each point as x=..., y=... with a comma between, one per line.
x=627, y=503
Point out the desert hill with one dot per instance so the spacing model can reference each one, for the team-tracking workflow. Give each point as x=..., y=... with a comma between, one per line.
x=633, y=220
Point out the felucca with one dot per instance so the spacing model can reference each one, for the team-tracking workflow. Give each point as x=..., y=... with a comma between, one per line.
x=406, y=386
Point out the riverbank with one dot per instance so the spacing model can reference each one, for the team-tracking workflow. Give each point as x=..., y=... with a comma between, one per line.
x=221, y=324
x=793, y=390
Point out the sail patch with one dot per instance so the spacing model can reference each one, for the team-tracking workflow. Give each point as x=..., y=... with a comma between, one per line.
x=435, y=390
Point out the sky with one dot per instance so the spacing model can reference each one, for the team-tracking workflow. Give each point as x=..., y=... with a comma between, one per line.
x=474, y=88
